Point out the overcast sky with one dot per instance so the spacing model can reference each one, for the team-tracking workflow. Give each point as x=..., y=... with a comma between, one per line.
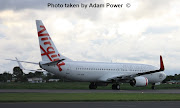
x=138, y=34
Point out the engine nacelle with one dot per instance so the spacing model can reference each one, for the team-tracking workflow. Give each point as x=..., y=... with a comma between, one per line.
x=139, y=81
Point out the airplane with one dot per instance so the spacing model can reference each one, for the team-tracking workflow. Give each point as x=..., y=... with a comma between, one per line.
x=97, y=73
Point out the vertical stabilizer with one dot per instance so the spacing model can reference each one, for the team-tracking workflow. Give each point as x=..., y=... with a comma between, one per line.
x=47, y=47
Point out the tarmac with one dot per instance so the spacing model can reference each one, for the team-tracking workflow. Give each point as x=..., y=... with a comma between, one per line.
x=173, y=91
x=130, y=104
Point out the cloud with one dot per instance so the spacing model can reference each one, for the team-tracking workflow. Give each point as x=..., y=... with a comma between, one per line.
x=17, y=5
x=138, y=34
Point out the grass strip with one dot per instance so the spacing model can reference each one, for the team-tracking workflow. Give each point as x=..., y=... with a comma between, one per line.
x=78, y=85
x=79, y=97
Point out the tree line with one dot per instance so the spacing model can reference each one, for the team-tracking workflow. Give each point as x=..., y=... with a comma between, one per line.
x=19, y=76
x=176, y=77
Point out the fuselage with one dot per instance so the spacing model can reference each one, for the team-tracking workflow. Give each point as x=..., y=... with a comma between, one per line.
x=97, y=71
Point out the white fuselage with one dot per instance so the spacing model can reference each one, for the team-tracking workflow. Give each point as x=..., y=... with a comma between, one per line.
x=99, y=71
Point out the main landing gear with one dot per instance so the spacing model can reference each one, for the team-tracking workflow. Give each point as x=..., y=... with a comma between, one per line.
x=116, y=87
x=92, y=86
x=153, y=86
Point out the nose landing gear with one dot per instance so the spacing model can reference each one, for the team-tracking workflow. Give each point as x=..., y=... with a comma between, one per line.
x=153, y=86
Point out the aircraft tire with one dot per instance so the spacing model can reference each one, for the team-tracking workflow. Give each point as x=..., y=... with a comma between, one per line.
x=153, y=87
x=92, y=86
x=115, y=87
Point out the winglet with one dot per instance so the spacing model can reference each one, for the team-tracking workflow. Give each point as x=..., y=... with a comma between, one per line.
x=161, y=64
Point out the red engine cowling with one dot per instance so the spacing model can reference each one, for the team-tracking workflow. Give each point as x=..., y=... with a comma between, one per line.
x=139, y=81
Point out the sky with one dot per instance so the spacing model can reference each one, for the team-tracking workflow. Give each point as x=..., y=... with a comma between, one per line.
x=137, y=33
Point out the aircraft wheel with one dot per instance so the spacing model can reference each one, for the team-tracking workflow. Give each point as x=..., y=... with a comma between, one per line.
x=153, y=86
x=116, y=87
x=113, y=87
x=92, y=86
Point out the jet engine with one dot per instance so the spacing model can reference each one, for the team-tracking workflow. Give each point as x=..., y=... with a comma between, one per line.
x=139, y=81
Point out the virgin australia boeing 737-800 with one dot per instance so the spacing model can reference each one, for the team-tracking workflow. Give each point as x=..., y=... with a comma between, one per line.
x=97, y=73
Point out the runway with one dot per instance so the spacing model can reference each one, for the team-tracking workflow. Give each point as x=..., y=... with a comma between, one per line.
x=177, y=91
x=115, y=104
x=133, y=104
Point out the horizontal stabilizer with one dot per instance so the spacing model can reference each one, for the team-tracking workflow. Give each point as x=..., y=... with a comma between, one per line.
x=53, y=63
x=21, y=67
x=23, y=61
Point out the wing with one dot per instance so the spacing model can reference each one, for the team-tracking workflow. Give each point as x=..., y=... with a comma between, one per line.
x=129, y=77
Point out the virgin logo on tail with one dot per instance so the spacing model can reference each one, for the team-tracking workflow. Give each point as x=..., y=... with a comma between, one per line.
x=50, y=51
x=40, y=32
x=59, y=65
